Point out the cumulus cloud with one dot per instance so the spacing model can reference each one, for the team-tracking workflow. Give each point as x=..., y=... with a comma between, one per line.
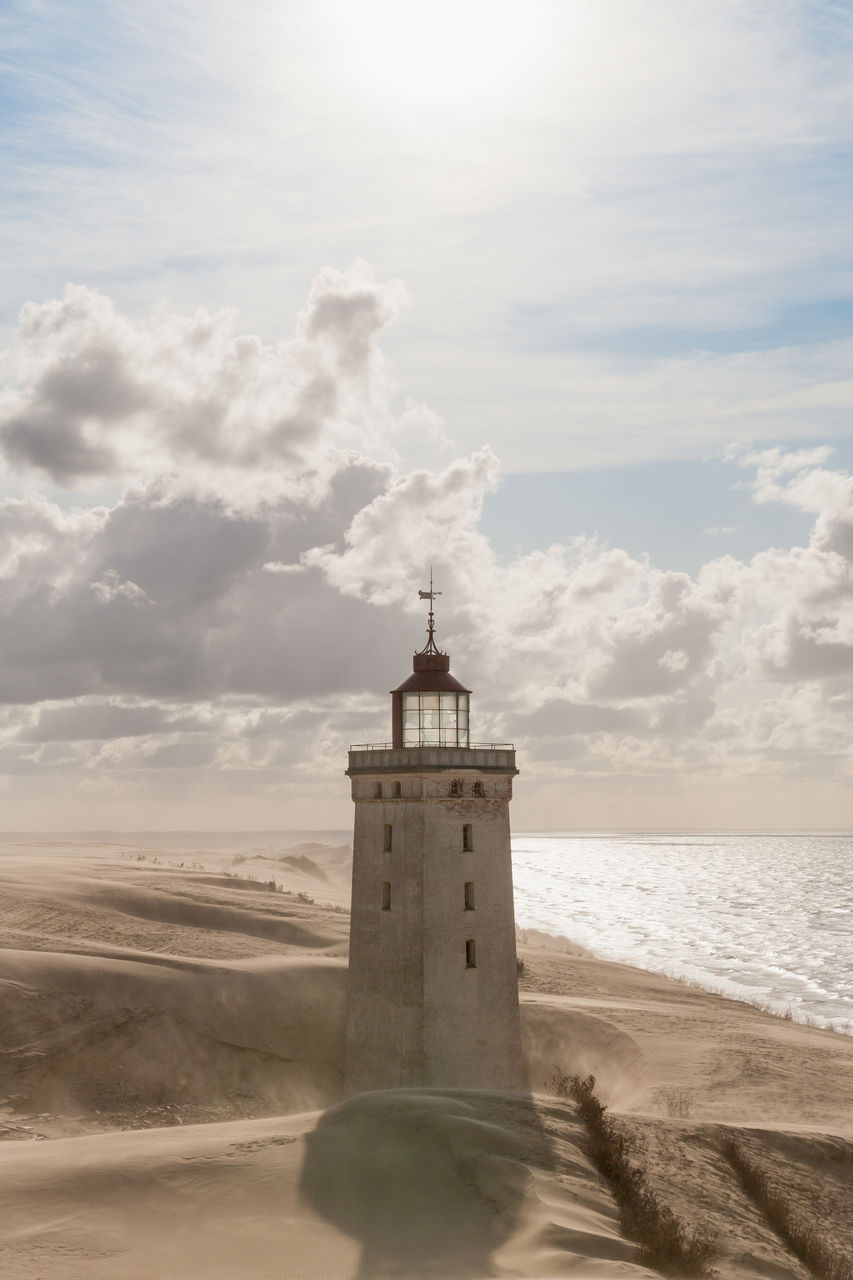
x=806, y=593
x=419, y=517
x=607, y=659
x=91, y=393
x=236, y=614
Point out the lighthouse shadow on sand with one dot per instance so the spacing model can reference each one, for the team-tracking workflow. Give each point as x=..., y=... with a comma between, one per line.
x=430, y=1182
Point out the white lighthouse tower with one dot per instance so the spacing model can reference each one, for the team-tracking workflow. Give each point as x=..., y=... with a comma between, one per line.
x=433, y=984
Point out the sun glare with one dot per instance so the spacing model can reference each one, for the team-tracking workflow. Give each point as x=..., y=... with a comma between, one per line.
x=441, y=50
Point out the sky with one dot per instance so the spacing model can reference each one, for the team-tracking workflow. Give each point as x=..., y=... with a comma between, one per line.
x=301, y=299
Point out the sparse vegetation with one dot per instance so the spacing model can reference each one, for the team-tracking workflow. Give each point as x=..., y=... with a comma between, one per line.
x=665, y=1243
x=804, y=1239
x=561, y=1083
x=675, y=1101
x=272, y=886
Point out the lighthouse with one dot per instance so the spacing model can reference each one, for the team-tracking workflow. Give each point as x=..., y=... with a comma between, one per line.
x=433, y=984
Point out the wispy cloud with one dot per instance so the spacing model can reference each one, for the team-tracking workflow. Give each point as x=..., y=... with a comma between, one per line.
x=655, y=173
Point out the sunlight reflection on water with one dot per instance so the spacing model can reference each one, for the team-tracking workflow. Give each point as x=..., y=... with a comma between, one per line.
x=764, y=917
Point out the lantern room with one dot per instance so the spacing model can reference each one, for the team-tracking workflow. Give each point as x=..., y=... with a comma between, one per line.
x=430, y=709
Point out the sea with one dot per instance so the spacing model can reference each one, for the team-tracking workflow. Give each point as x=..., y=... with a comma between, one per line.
x=762, y=918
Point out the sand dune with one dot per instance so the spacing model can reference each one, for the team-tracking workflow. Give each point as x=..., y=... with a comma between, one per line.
x=556, y=1035
x=84, y=1035
x=396, y=1184
x=218, y=1200
x=139, y=996
x=65, y=897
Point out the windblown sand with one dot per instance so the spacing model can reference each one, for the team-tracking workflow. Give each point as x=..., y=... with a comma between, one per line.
x=171, y=1041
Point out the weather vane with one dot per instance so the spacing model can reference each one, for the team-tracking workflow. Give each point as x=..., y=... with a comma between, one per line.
x=430, y=595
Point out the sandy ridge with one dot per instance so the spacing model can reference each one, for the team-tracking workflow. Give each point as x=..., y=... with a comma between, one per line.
x=138, y=997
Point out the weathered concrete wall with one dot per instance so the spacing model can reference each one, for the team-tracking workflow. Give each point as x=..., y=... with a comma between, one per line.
x=385, y=1019
x=418, y=1014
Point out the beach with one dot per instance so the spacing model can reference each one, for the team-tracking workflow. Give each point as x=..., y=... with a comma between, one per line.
x=171, y=1093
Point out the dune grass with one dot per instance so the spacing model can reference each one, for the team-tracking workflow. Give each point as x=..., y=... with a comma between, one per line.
x=675, y=1101
x=805, y=1240
x=664, y=1241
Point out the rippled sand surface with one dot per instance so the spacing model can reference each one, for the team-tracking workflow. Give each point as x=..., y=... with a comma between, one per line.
x=170, y=1097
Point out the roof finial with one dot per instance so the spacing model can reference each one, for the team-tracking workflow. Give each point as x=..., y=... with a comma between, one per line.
x=431, y=646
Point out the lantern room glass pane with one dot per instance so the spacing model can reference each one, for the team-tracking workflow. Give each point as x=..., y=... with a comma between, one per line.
x=463, y=720
x=411, y=719
x=435, y=719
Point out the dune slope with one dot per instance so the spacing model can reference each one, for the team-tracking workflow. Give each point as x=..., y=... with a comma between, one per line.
x=141, y=993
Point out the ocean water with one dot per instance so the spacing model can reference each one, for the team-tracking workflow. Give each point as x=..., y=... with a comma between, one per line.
x=760, y=917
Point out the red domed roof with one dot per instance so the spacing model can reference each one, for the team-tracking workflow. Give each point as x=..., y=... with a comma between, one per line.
x=431, y=674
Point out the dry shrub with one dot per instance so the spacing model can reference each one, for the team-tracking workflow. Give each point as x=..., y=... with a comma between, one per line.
x=561, y=1083
x=804, y=1239
x=665, y=1242
x=675, y=1101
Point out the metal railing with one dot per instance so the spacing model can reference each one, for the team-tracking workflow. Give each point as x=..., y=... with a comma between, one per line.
x=471, y=746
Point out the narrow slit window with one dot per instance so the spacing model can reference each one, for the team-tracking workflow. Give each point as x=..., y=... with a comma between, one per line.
x=377, y=791
x=388, y=835
x=456, y=787
x=398, y=790
x=470, y=954
x=386, y=895
x=478, y=788
x=469, y=895
x=467, y=836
